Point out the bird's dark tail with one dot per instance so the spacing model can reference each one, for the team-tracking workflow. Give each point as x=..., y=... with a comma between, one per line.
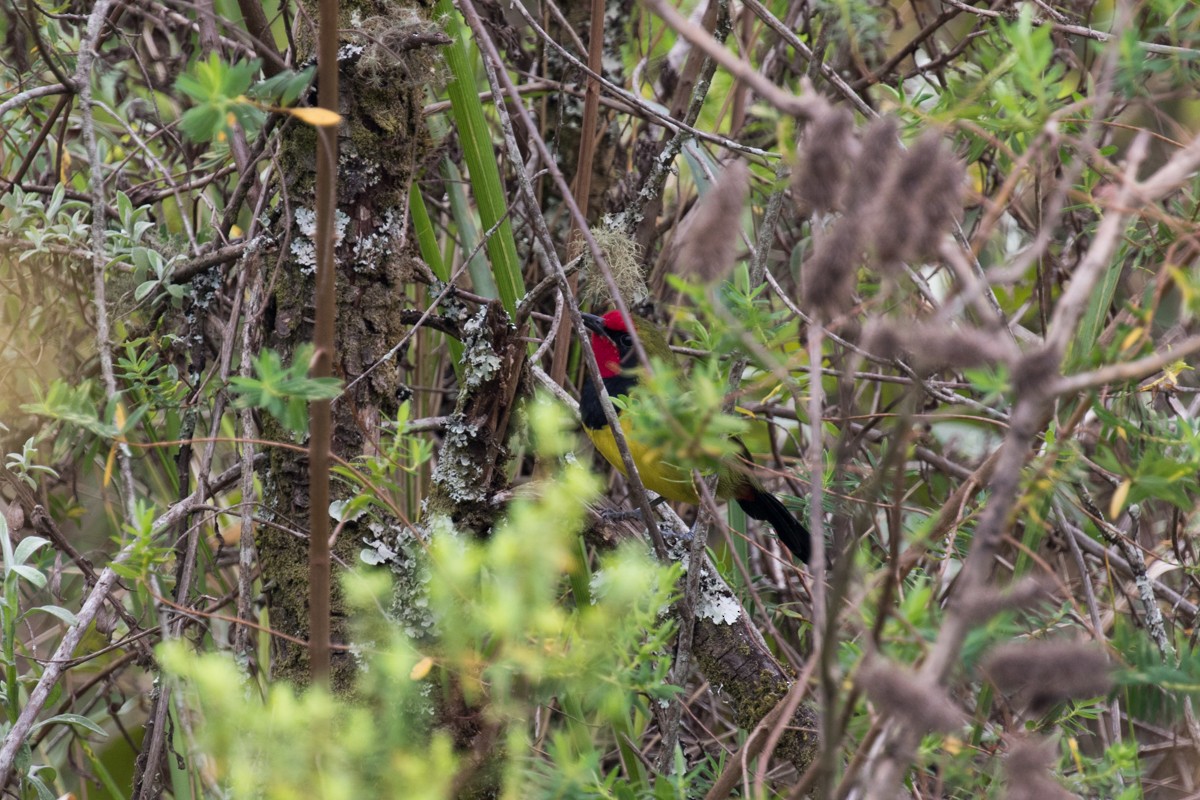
x=762, y=505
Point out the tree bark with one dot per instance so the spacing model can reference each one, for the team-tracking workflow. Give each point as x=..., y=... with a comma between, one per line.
x=382, y=140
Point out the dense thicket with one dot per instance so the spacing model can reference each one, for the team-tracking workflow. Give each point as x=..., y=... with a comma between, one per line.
x=933, y=263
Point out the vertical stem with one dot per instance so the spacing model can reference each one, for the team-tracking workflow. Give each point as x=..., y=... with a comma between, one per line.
x=321, y=424
x=251, y=339
x=816, y=527
x=83, y=84
x=583, y=177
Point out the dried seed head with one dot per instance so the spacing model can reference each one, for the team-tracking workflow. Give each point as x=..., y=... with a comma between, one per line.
x=897, y=206
x=898, y=216
x=819, y=181
x=941, y=199
x=900, y=693
x=1034, y=371
x=918, y=196
x=708, y=238
x=1027, y=771
x=933, y=347
x=1023, y=596
x=1043, y=674
x=827, y=279
x=881, y=339
x=936, y=347
x=880, y=145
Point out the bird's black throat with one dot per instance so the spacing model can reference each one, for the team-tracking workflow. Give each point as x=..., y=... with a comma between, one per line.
x=590, y=409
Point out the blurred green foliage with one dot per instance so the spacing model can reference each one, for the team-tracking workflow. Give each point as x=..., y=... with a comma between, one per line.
x=547, y=678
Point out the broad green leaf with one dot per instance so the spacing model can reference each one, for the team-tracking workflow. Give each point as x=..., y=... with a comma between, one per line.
x=26, y=547
x=55, y=611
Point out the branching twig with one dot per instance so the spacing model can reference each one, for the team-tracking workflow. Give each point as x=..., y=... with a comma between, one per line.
x=1080, y=30
x=1029, y=415
x=83, y=620
x=803, y=107
x=496, y=77
x=83, y=82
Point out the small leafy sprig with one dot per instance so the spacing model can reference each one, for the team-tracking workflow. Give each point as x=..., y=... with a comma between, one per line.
x=284, y=392
x=225, y=94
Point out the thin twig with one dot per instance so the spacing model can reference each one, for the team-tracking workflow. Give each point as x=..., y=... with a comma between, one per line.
x=1031, y=410
x=650, y=110
x=1127, y=370
x=1078, y=30
x=803, y=107
x=83, y=82
x=61, y=659
x=497, y=76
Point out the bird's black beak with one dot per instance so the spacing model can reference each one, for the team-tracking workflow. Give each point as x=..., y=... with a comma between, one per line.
x=594, y=324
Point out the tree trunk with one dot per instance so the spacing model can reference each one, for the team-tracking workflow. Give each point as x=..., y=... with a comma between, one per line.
x=382, y=140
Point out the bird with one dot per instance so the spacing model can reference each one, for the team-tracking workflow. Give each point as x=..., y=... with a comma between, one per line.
x=619, y=369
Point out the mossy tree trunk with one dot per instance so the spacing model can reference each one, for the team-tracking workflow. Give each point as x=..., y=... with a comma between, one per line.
x=382, y=140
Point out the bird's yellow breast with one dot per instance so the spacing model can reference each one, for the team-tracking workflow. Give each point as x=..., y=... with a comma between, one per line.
x=670, y=480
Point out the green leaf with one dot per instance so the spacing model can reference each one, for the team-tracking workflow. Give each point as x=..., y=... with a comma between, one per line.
x=284, y=392
x=282, y=89
x=1097, y=311
x=218, y=89
x=201, y=123
x=468, y=233
x=6, y=546
x=428, y=244
x=144, y=289
x=30, y=574
x=482, y=162
x=26, y=547
x=39, y=785
x=55, y=611
x=72, y=719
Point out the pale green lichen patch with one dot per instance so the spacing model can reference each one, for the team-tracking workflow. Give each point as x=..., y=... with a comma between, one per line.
x=372, y=249
x=304, y=248
x=479, y=357
x=402, y=548
x=458, y=473
x=714, y=600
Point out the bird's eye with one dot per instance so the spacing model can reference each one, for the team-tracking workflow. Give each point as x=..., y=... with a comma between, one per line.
x=626, y=340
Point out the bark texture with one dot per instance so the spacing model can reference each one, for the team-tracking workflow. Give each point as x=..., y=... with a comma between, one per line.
x=730, y=652
x=381, y=141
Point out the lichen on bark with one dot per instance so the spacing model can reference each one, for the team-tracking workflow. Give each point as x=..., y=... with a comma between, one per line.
x=382, y=140
x=471, y=464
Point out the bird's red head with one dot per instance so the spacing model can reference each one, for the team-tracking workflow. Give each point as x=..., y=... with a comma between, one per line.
x=614, y=321
x=610, y=341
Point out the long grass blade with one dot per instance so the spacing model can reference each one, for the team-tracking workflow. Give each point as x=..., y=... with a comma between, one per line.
x=481, y=160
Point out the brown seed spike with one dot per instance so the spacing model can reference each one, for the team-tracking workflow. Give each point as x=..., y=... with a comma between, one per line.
x=708, y=238
x=881, y=339
x=1022, y=596
x=1036, y=369
x=942, y=199
x=902, y=694
x=827, y=279
x=1042, y=674
x=1027, y=771
x=880, y=145
x=932, y=347
x=819, y=182
x=902, y=217
x=937, y=347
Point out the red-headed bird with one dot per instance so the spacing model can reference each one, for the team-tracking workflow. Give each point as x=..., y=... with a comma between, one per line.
x=615, y=354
